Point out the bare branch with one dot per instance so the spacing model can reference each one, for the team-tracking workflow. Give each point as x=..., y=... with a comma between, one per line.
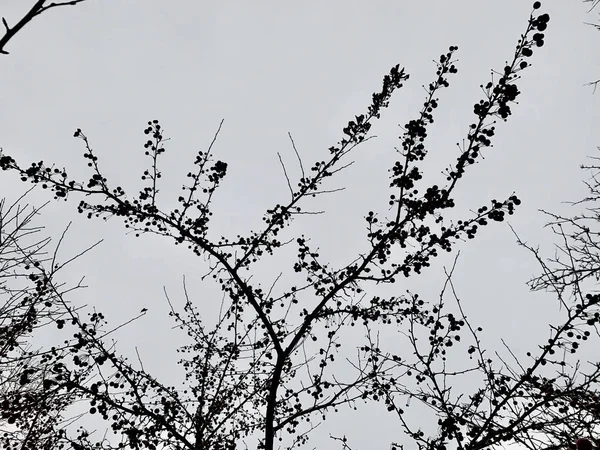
x=38, y=7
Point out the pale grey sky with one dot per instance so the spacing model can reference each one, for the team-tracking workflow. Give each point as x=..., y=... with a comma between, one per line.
x=268, y=68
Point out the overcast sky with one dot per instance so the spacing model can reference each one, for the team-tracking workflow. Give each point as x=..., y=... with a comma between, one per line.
x=268, y=68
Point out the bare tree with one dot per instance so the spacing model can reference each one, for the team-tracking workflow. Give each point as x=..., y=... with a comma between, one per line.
x=536, y=402
x=30, y=404
x=270, y=367
x=573, y=274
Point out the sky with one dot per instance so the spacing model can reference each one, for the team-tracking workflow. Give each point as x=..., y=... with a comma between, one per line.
x=271, y=68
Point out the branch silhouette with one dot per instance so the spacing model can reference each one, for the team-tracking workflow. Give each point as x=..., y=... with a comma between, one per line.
x=38, y=8
x=269, y=367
